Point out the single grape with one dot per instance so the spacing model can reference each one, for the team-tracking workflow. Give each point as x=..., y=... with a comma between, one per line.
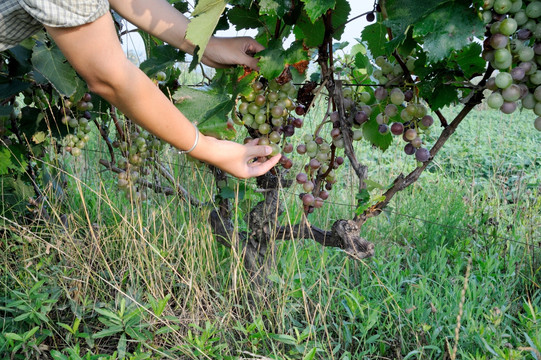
x=365, y=97
x=512, y=93
x=410, y=134
x=397, y=128
x=409, y=149
x=502, y=6
x=408, y=95
x=287, y=148
x=526, y=54
x=335, y=116
x=417, y=142
x=508, y=107
x=503, y=80
x=422, y=154
x=397, y=96
x=524, y=34
x=308, y=199
x=301, y=149
x=383, y=129
x=391, y=110
x=370, y=16
x=533, y=10
x=380, y=94
x=427, y=121
x=360, y=117
x=518, y=73
x=537, y=124
x=502, y=55
x=529, y=101
x=301, y=178
x=508, y=26
x=499, y=41
x=297, y=123
x=357, y=135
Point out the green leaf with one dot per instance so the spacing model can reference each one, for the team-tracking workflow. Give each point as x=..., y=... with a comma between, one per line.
x=207, y=13
x=12, y=158
x=12, y=87
x=161, y=57
x=311, y=33
x=375, y=38
x=371, y=133
x=311, y=355
x=207, y=107
x=340, y=16
x=363, y=201
x=244, y=18
x=272, y=60
x=405, y=13
x=470, y=61
x=6, y=110
x=442, y=96
x=13, y=336
x=448, y=28
x=283, y=338
x=316, y=8
x=50, y=63
x=274, y=7
x=108, y=332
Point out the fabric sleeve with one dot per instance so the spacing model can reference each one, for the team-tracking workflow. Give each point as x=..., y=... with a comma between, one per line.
x=65, y=13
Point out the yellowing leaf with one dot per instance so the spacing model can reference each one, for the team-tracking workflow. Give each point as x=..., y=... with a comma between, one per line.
x=207, y=14
x=39, y=137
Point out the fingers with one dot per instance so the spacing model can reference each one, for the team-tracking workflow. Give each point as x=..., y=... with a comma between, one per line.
x=263, y=167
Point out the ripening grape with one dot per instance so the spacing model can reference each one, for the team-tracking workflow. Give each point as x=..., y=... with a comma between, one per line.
x=422, y=154
x=397, y=128
x=380, y=93
x=537, y=123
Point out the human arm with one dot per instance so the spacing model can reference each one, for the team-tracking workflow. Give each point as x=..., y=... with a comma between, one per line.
x=160, y=19
x=95, y=53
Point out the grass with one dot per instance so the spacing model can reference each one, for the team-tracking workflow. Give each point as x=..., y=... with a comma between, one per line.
x=149, y=281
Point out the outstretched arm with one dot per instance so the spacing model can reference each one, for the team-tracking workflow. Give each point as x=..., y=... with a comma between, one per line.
x=159, y=18
x=95, y=53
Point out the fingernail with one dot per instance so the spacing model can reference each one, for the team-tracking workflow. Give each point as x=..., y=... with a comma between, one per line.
x=268, y=150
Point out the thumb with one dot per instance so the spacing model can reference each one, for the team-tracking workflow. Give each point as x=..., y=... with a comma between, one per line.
x=259, y=150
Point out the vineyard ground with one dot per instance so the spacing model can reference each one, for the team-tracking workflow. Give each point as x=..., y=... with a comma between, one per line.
x=481, y=200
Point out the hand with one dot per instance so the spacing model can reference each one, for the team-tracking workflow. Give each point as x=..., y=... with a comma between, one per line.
x=224, y=52
x=242, y=161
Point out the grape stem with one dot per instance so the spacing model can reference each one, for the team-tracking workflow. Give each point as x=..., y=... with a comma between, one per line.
x=105, y=137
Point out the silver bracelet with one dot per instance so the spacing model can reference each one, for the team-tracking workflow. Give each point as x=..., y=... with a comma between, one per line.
x=195, y=142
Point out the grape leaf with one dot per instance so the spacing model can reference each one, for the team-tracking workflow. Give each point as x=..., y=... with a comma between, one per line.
x=9, y=87
x=316, y=8
x=161, y=57
x=12, y=158
x=470, y=61
x=375, y=38
x=340, y=17
x=208, y=108
x=274, y=7
x=272, y=60
x=244, y=18
x=206, y=15
x=311, y=33
x=405, y=13
x=371, y=133
x=51, y=63
x=448, y=28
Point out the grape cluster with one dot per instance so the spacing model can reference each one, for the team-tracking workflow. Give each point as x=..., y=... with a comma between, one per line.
x=77, y=118
x=394, y=107
x=319, y=173
x=268, y=112
x=513, y=47
x=137, y=148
